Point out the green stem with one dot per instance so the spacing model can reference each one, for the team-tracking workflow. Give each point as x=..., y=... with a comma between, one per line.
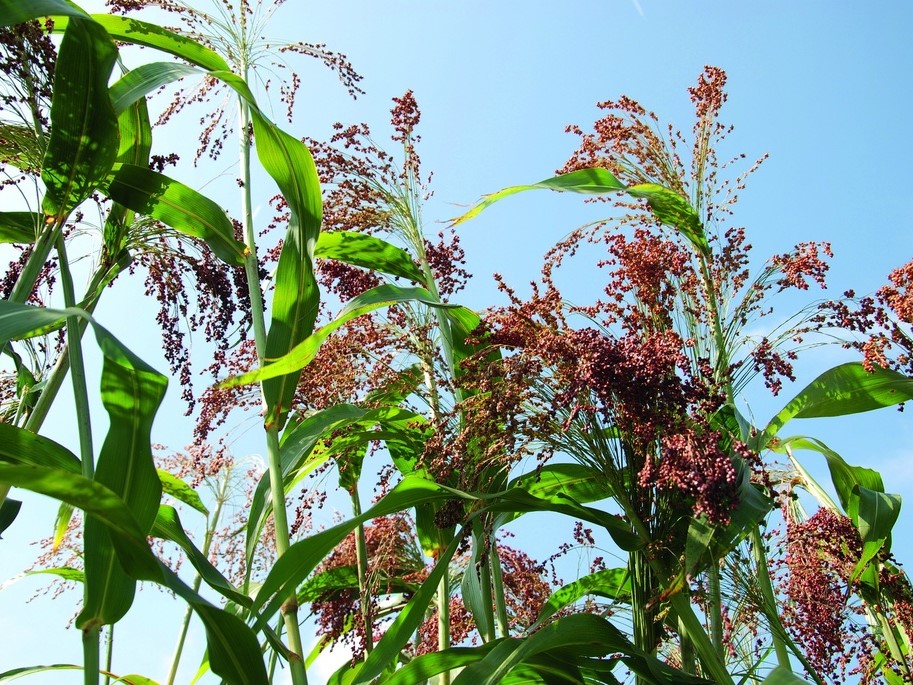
x=62, y=365
x=715, y=607
x=277, y=485
x=443, y=622
x=361, y=560
x=767, y=592
x=712, y=663
x=109, y=653
x=502, y=621
x=77, y=367
x=642, y=616
x=91, y=636
x=198, y=580
x=91, y=641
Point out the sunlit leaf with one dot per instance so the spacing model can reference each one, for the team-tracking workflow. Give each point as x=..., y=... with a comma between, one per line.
x=674, y=210
x=131, y=392
x=19, y=446
x=137, y=32
x=874, y=515
x=296, y=297
x=20, y=227
x=556, y=482
x=139, y=82
x=168, y=527
x=368, y=251
x=74, y=575
x=845, y=389
x=16, y=673
x=181, y=491
x=595, y=181
x=612, y=583
x=18, y=12
x=783, y=676
x=404, y=626
x=84, y=136
x=176, y=205
x=303, y=353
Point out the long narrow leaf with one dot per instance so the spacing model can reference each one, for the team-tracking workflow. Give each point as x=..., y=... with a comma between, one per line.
x=177, y=205
x=139, y=82
x=588, y=181
x=84, y=137
x=131, y=392
x=14, y=12
x=369, y=252
x=296, y=297
x=303, y=353
x=404, y=626
x=137, y=32
x=20, y=227
x=845, y=389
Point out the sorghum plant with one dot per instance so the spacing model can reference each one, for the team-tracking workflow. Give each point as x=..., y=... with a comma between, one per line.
x=645, y=386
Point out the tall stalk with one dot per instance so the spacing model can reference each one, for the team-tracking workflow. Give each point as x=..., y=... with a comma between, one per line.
x=277, y=487
x=91, y=640
x=221, y=497
x=364, y=585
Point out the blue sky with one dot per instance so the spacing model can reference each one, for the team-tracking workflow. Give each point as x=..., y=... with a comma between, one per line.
x=823, y=87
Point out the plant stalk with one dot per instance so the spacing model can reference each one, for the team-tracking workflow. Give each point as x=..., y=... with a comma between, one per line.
x=767, y=591
x=91, y=638
x=715, y=607
x=198, y=580
x=502, y=621
x=277, y=487
x=361, y=560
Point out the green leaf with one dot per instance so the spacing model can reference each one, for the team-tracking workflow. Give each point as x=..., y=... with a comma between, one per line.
x=845, y=389
x=296, y=297
x=139, y=82
x=233, y=649
x=62, y=523
x=131, y=392
x=595, y=181
x=153, y=194
x=578, y=634
x=84, y=135
x=517, y=500
x=874, y=515
x=783, y=676
x=168, y=527
x=14, y=12
x=556, y=482
x=20, y=227
x=338, y=578
x=21, y=321
x=74, y=575
x=9, y=510
x=130, y=30
x=674, y=210
x=96, y=500
x=423, y=668
x=296, y=447
x=303, y=557
x=406, y=623
x=612, y=583
x=369, y=252
x=181, y=491
x=846, y=478
x=134, y=679
x=16, y=673
x=302, y=354
x=19, y=446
